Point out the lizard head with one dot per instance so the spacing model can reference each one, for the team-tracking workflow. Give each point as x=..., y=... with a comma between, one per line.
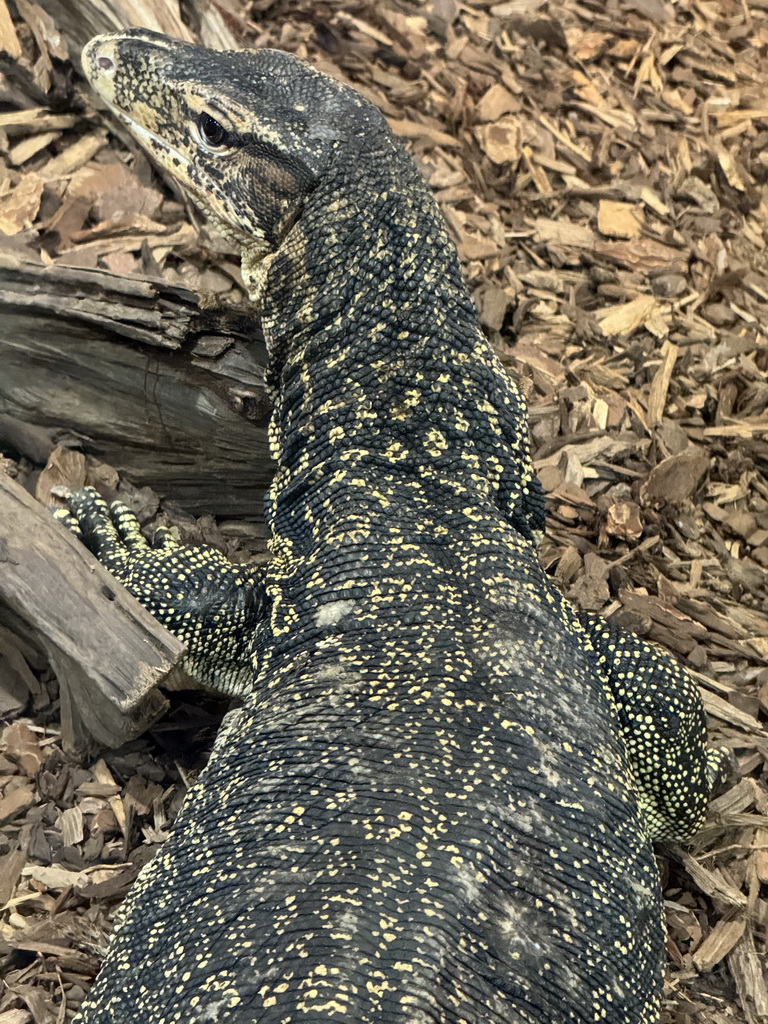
x=247, y=134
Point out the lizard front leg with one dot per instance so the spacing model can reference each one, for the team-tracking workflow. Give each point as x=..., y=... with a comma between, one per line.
x=208, y=602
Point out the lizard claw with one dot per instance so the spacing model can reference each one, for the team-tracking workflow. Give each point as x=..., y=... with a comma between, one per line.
x=209, y=603
x=106, y=534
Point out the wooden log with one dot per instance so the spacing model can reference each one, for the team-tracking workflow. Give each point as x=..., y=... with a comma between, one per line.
x=135, y=371
x=108, y=652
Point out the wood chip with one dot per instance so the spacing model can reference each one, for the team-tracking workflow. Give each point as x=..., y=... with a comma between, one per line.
x=55, y=877
x=22, y=747
x=66, y=468
x=496, y=102
x=30, y=147
x=75, y=156
x=71, y=823
x=15, y=802
x=721, y=709
x=623, y=520
x=10, y=871
x=712, y=882
x=619, y=220
x=719, y=943
x=675, y=478
x=747, y=966
x=9, y=41
x=501, y=141
x=19, y=209
x=408, y=129
x=564, y=233
x=627, y=317
x=15, y=1016
x=660, y=384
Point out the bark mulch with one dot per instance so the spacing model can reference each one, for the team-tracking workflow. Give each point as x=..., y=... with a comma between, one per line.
x=603, y=166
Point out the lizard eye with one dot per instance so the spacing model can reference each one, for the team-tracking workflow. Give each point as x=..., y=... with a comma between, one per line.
x=211, y=132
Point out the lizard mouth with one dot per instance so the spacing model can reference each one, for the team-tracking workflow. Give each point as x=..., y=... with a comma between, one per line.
x=167, y=156
x=149, y=139
x=101, y=65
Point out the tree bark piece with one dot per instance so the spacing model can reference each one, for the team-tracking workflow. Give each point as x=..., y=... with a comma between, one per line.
x=170, y=395
x=108, y=652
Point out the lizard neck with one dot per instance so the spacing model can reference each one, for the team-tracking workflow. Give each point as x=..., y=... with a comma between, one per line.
x=368, y=261
x=377, y=358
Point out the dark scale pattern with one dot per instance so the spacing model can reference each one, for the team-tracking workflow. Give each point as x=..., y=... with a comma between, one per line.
x=430, y=806
x=665, y=729
x=210, y=604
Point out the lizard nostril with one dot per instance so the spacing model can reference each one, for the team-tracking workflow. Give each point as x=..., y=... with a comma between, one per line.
x=105, y=63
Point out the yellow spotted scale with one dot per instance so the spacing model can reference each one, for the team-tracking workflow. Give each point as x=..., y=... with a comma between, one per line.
x=434, y=799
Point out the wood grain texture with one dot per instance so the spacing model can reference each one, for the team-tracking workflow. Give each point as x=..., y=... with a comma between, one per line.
x=169, y=394
x=108, y=652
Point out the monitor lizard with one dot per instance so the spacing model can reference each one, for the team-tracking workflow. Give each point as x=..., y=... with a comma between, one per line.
x=435, y=797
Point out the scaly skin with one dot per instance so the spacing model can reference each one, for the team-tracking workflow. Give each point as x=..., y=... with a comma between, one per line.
x=427, y=806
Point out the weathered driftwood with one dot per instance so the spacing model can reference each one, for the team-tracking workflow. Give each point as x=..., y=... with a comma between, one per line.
x=78, y=22
x=170, y=395
x=108, y=652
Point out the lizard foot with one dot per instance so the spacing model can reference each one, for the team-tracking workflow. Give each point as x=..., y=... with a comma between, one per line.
x=211, y=604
